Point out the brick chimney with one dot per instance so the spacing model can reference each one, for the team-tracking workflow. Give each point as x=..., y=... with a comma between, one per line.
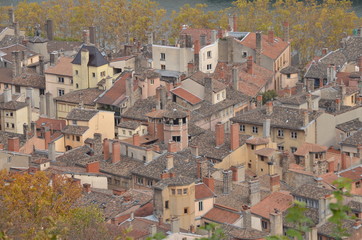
x=331, y=167
x=87, y=187
x=227, y=181
x=234, y=136
x=136, y=139
x=195, y=150
x=116, y=152
x=269, y=108
x=254, y=191
x=238, y=173
x=92, y=35
x=219, y=134
x=198, y=169
x=16, y=63
x=250, y=65
x=210, y=182
x=276, y=223
x=47, y=135
x=259, y=100
x=305, y=118
x=309, y=101
x=149, y=155
x=359, y=63
x=49, y=29
x=13, y=144
x=86, y=37
x=196, y=54
x=106, y=149
x=169, y=162
x=92, y=167
x=286, y=31
x=259, y=48
x=11, y=16
x=271, y=36
x=235, y=23
x=172, y=147
x=274, y=182
x=338, y=104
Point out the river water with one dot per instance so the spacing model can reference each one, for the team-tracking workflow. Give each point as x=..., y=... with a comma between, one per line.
x=213, y=5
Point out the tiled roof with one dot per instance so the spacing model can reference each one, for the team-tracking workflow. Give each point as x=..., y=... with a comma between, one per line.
x=202, y=191
x=355, y=139
x=266, y=152
x=178, y=180
x=310, y=148
x=117, y=93
x=237, y=233
x=277, y=200
x=330, y=106
x=129, y=124
x=63, y=67
x=222, y=215
x=199, y=77
x=53, y=124
x=81, y=114
x=85, y=96
x=350, y=126
x=63, y=46
x=289, y=70
x=122, y=58
x=13, y=105
x=174, y=113
x=312, y=191
x=281, y=117
x=75, y=130
x=272, y=50
x=257, y=141
x=355, y=206
x=5, y=135
x=139, y=110
x=355, y=174
x=197, y=32
x=30, y=78
x=184, y=94
x=16, y=47
x=329, y=229
x=298, y=99
x=96, y=58
x=6, y=75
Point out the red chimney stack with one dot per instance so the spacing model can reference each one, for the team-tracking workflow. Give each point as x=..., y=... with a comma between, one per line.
x=116, y=152
x=106, y=149
x=250, y=65
x=220, y=134
x=234, y=137
x=14, y=144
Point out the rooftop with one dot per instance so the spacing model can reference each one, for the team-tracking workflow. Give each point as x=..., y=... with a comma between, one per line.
x=63, y=67
x=350, y=126
x=81, y=114
x=96, y=59
x=312, y=191
x=306, y=148
x=85, y=96
x=277, y=200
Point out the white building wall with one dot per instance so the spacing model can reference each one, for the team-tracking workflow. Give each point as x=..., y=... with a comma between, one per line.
x=209, y=59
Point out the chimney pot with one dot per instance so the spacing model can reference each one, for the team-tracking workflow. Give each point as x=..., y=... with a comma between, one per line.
x=210, y=182
x=116, y=152
x=220, y=134
x=92, y=167
x=106, y=149
x=234, y=136
x=13, y=144
x=172, y=147
x=269, y=108
x=136, y=139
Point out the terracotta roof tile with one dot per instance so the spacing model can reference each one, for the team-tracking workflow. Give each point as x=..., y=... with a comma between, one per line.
x=76, y=130
x=310, y=148
x=219, y=214
x=277, y=200
x=184, y=94
x=355, y=174
x=197, y=32
x=117, y=93
x=63, y=67
x=257, y=141
x=85, y=96
x=266, y=152
x=53, y=124
x=30, y=78
x=82, y=114
x=202, y=191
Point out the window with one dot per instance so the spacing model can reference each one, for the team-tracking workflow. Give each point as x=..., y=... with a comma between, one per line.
x=358, y=184
x=166, y=204
x=201, y=207
x=176, y=138
x=94, y=75
x=255, y=129
x=288, y=75
x=293, y=149
x=208, y=54
x=185, y=190
x=262, y=158
x=149, y=183
x=208, y=66
x=281, y=148
x=173, y=191
x=103, y=74
x=152, y=81
x=179, y=191
x=264, y=224
x=60, y=92
x=186, y=210
x=76, y=72
x=7, y=125
x=244, y=54
x=61, y=79
x=242, y=128
x=117, y=182
x=140, y=180
x=77, y=138
x=130, y=133
x=280, y=133
x=12, y=125
x=249, y=165
x=124, y=132
x=76, y=85
x=17, y=89
x=163, y=56
x=252, y=147
x=11, y=114
x=293, y=134
x=163, y=67
x=74, y=122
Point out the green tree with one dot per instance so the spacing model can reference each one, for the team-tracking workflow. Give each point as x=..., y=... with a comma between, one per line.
x=269, y=95
x=215, y=232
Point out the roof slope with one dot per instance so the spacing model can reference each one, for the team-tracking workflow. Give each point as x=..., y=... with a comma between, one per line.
x=96, y=58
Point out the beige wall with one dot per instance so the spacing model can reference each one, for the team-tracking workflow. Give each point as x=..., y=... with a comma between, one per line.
x=176, y=58
x=64, y=108
x=289, y=82
x=96, y=181
x=148, y=87
x=19, y=117
x=8, y=160
x=124, y=133
x=193, y=87
x=205, y=60
x=85, y=78
x=125, y=64
x=53, y=84
x=207, y=204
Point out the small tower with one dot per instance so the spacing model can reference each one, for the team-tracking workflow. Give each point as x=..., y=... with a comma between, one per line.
x=175, y=128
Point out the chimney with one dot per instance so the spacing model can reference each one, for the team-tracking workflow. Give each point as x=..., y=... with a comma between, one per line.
x=7, y=95
x=47, y=135
x=163, y=97
x=331, y=74
x=208, y=89
x=11, y=17
x=286, y=31
x=175, y=225
x=310, y=85
x=276, y=223
x=53, y=58
x=196, y=54
x=92, y=167
x=235, y=23
x=234, y=136
x=87, y=187
x=309, y=101
x=106, y=149
x=50, y=33
x=92, y=35
x=16, y=29
x=182, y=40
x=305, y=118
x=235, y=76
x=150, y=38
x=331, y=167
x=41, y=65
x=172, y=147
x=338, y=104
x=169, y=162
x=86, y=37
x=343, y=91
x=269, y=108
x=42, y=106
x=195, y=150
x=227, y=181
x=266, y=128
x=254, y=191
x=219, y=134
x=109, y=82
x=13, y=144
x=238, y=173
x=300, y=87
x=153, y=230
x=198, y=169
x=246, y=217
x=149, y=155
x=231, y=23
x=322, y=209
x=188, y=41
x=274, y=182
x=202, y=40
x=209, y=182
x=136, y=139
x=16, y=63
x=346, y=161
x=50, y=108
x=29, y=95
x=129, y=90
x=324, y=51
x=250, y=65
x=163, y=42
x=259, y=48
x=213, y=36
x=51, y=151
x=271, y=36
x=116, y=152
x=259, y=100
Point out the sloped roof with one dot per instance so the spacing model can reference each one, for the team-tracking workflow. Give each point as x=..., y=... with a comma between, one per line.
x=63, y=67
x=81, y=114
x=96, y=58
x=222, y=215
x=202, y=191
x=310, y=148
x=277, y=200
x=186, y=95
x=85, y=96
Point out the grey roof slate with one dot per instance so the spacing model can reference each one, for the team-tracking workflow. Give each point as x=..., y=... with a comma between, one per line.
x=96, y=58
x=355, y=139
x=74, y=130
x=311, y=191
x=129, y=124
x=289, y=70
x=350, y=126
x=82, y=114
